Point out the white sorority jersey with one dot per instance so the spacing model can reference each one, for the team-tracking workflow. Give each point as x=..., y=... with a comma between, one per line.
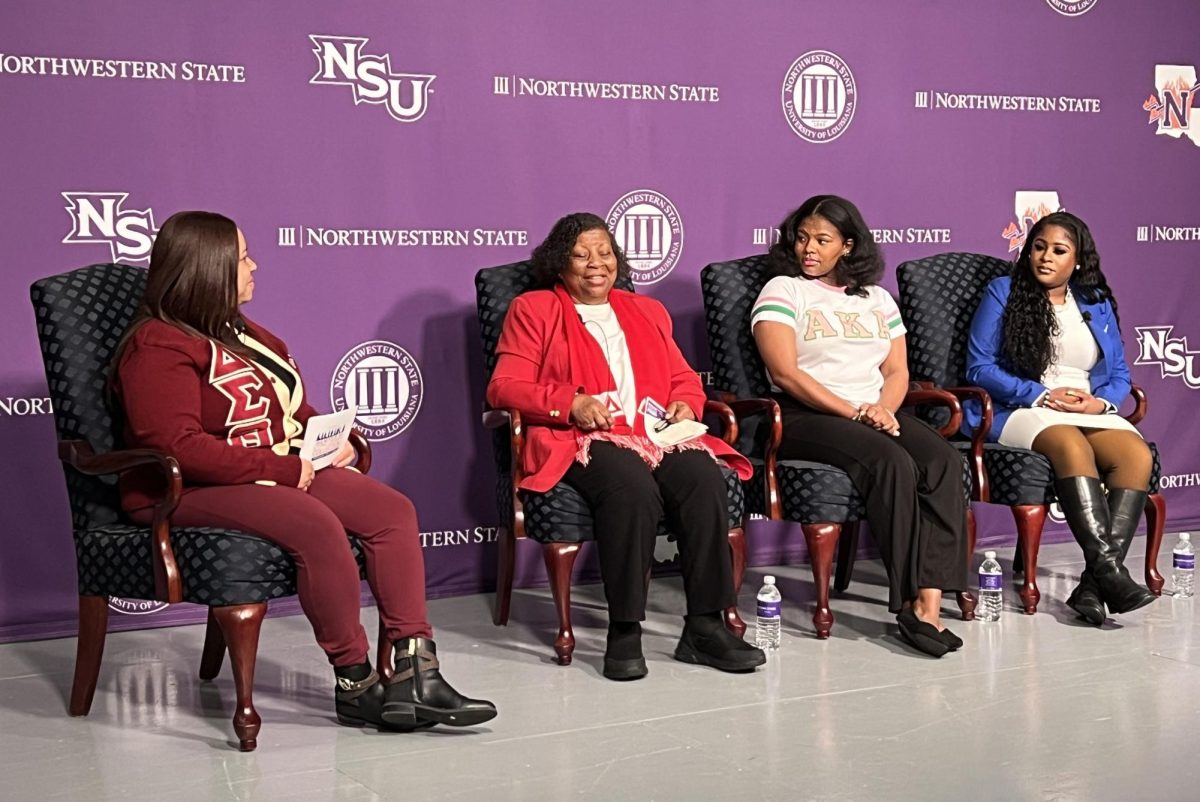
x=841, y=340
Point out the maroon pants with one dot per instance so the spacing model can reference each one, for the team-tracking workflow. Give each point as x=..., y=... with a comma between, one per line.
x=311, y=527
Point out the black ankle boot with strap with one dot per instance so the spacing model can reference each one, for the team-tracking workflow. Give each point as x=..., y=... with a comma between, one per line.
x=359, y=698
x=418, y=693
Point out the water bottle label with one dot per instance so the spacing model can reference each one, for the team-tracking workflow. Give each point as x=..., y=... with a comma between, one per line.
x=768, y=609
x=991, y=582
x=1186, y=562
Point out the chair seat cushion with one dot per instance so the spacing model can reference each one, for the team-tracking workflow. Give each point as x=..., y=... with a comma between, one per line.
x=813, y=492
x=218, y=566
x=560, y=515
x=1019, y=476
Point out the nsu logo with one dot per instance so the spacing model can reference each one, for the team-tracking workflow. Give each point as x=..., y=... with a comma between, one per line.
x=340, y=61
x=100, y=218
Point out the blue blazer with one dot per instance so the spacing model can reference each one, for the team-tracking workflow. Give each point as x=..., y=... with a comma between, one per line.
x=1110, y=375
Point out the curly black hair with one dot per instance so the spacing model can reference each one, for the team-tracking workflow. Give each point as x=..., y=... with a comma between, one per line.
x=552, y=256
x=857, y=270
x=1029, y=321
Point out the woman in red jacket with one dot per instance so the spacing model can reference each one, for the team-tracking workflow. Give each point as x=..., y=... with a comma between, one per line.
x=223, y=396
x=579, y=359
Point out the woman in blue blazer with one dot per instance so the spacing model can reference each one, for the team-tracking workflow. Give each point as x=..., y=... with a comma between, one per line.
x=1046, y=345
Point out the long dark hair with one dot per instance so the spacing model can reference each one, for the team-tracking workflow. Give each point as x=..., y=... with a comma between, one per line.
x=1029, y=322
x=192, y=280
x=855, y=271
x=552, y=256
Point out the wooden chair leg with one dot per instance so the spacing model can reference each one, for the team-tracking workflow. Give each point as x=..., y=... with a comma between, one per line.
x=214, y=649
x=821, y=540
x=737, y=549
x=506, y=548
x=560, y=559
x=93, y=626
x=1156, y=520
x=385, y=651
x=966, y=599
x=240, y=624
x=1029, y=518
x=847, y=552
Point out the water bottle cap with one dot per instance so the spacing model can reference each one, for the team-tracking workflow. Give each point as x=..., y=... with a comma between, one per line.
x=989, y=555
x=1184, y=536
x=768, y=580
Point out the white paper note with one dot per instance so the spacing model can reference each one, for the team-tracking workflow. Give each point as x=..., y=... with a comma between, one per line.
x=324, y=436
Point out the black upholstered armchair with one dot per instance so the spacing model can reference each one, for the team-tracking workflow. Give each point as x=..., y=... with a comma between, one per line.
x=81, y=316
x=820, y=497
x=560, y=519
x=938, y=299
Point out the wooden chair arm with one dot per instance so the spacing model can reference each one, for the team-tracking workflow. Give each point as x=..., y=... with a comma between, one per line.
x=1139, y=411
x=362, y=450
x=979, y=475
x=729, y=425
x=744, y=407
x=919, y=393
x=495, y=419
x=168, y=585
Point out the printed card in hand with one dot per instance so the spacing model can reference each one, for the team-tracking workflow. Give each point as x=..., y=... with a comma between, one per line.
x=662, y=432
x=324, y=436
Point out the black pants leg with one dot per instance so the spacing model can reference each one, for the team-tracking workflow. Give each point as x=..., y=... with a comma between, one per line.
x=912, y=486
x=628, y=500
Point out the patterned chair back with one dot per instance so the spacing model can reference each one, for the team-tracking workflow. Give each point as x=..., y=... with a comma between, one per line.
x=730, y=289
x=81, y=316
x=938, y=297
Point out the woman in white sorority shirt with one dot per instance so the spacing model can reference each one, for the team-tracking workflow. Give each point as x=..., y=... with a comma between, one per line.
x=833, y=345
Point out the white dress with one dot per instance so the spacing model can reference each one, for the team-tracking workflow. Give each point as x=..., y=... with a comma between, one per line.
x=1075, y=354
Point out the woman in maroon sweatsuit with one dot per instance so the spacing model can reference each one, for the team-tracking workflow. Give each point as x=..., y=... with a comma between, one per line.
x=223, y=396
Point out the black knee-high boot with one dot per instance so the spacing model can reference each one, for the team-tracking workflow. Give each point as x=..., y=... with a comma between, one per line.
x=1125, y=509
x=1086, y=508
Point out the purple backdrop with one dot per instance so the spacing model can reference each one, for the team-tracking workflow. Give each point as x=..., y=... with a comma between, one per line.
x=376, y=154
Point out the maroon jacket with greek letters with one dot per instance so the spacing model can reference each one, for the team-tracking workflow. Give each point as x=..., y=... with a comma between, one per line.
x=219, y=414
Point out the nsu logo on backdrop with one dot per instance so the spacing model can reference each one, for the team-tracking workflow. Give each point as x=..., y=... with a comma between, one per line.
x=1173, y=103
x=1029, y=206
x=100, y=218
x=819, y=96
x=342, y=62
x=648, y=229
x=1157, y=346
x=384, y=382
x=1072, y=8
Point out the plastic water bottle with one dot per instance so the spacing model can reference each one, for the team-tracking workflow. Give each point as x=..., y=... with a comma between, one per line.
x=766, y=625
x=1183, y=558
x=991, y=588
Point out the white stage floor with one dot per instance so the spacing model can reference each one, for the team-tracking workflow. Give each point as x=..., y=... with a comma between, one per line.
x=1033, y=707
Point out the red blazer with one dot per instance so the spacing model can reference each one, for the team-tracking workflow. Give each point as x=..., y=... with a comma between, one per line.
x=215, y=412
x=532, y=375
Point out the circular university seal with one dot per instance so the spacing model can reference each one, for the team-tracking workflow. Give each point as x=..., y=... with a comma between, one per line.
x=648, y=229
x=384, y=382
x=135, y=606
x=1072, y=8
x=819, y=96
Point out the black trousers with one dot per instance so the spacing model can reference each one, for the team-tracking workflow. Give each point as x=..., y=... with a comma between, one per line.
x=912, y=486
x=628, y=499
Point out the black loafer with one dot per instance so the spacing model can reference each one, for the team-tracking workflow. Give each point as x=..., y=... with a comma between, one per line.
x=951, y=640
x=720, y=649
x=925, y=637
x=625, y=670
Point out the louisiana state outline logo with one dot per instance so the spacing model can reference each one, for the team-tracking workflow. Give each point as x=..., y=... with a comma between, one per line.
x=384, y=382
x=1173, y=102
x=819, y=96
x=1029, y=207
x=648, y=229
